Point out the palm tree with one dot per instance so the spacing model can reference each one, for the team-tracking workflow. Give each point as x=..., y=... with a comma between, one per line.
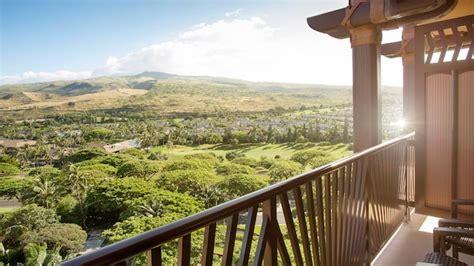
x=78, y=183
x=153, y=208
x=44, y=190
x=210, y=195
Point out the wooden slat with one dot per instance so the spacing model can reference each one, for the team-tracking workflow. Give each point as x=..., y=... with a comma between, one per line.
x=154, y=257
x=320, y=220
x=285, y=256
x=209, y=243
x=470, y=30
x=361, y=216
x=312, y=223
x=458, y=45
x=184, y=250
x=290, y=224
x=350, y=216
x=429, y=40
x=345, y=218
x=327, y=217
x=302, y=224
x=444, y=46
x=271, y=249
x=248, y=236
x=334, y=178
x=230, y=239
x=340, y=199
x=262, y=241
x=120, y=263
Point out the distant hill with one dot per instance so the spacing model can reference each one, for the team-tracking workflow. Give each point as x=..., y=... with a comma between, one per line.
x=168, y=93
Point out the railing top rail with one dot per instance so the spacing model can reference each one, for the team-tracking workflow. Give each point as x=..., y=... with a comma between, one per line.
x=140, y=243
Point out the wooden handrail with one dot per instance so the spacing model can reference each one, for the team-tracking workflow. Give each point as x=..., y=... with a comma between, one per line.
x=146, y=241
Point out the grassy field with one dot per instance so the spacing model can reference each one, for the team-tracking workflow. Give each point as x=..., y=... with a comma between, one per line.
x=257, y=150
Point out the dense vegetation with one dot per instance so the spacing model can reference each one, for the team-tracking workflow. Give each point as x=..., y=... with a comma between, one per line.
x=68, y=184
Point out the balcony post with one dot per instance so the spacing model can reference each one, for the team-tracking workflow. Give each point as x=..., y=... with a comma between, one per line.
x=366, y=42
x=408, y=59
x=269, y=210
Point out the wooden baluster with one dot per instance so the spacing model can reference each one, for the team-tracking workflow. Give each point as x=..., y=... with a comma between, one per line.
x=184, y=250
x=312, y=223
x=230, y=239
x=320, y=219
x=209, y=242
x=290, y=225
x=340, y=200
x=154, y=257
x=302, y=224
x=262, y=242
x=248, y=235
x=269, y=210
x=328, y=217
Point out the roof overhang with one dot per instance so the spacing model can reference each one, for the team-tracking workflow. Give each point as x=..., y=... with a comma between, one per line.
x=385, y=14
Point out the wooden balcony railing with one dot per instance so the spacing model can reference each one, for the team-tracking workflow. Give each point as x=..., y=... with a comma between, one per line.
x=339, y=214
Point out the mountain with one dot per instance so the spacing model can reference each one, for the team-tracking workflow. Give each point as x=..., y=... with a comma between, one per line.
x=167, y=93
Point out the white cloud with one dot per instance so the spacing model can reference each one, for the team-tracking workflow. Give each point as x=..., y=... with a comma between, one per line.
x=225, y=48
x=233, y=13
x=30, y=76
x=247, y=48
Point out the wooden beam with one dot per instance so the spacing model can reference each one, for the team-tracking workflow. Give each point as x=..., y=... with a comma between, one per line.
x=366, y=87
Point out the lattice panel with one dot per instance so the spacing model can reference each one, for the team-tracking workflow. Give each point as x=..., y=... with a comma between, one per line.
x=449, y=41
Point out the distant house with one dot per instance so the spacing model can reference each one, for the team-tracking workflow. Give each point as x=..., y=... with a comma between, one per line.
x=121, y=146
x=16, y=143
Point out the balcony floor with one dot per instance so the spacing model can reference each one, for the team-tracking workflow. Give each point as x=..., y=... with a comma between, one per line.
x=412, y=242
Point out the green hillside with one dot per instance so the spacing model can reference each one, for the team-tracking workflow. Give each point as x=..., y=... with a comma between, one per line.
x=167, y=93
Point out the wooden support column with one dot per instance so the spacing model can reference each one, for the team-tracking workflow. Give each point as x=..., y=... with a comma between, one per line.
x=365, y=43
x=408, y=58
x=269, y=210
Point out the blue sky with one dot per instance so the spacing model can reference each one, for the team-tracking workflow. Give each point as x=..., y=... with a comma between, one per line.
x=256, y=40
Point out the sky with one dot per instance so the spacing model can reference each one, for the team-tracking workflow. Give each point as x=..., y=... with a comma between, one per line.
x=256, y=40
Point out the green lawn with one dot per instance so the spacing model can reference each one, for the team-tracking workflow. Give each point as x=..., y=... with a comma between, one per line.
x=257, y=150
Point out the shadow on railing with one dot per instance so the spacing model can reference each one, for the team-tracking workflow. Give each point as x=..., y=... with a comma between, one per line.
x=338, y=214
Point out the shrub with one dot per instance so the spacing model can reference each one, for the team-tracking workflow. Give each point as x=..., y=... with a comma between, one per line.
x=45, y=171
x=67, y=208
x=232, y=168
x=13, y=187
x=265, y=162
x=284, y=169
x=233, y=154
x=98, y=167
x=161, y=202
x=320, y=161
x=14, y=225
x=8, y=169
x=210, y=158
x=84, y=155
x=67, y=238
x=138, y=224
x=106, y=201
x=304, y=157
x=141, y=154
x=185, y=180
x=100, y=133
x=114, y=160
x=245, y=161
x=8, y=159
x=239, y=184
x=187, y=164
x=136, y=168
